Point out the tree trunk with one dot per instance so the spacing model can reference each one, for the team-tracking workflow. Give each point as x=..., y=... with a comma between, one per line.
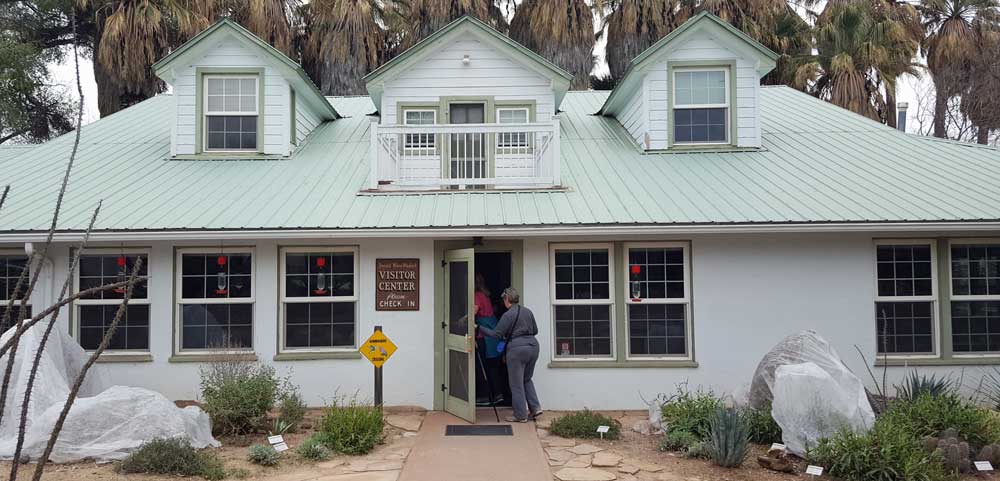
x=890, y=105
x=940, y=113
x=983, y=135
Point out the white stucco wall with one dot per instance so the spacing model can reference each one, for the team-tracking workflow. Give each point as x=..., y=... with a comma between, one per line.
x=748, y=292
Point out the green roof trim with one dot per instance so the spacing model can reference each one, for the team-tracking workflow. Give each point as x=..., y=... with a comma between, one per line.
x=294, y=69
x=629, y=82
x=561, y=78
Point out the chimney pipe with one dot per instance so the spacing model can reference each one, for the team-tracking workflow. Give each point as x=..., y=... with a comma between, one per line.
x=901, y=116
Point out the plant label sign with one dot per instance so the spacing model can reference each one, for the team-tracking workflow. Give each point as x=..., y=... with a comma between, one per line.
x=984, y=466
x=778, y=446
x=278, y=443
x=603, y=429
x=814, y=470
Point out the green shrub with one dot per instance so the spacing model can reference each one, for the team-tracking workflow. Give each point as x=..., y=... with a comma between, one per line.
x=729, y=437
x=928, y=415
x=292, y=409
x=263, y=455
x=677, y=440
x=237, y=394
x=313, y=448
x=174, y=457
x=690, y=411
x=583, y=424
x=351, y=427
x=763, y=429
x=914, y=385
x=888, y=452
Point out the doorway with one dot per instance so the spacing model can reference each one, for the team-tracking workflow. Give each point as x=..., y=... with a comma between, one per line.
x=468, y=159
x=467, y=376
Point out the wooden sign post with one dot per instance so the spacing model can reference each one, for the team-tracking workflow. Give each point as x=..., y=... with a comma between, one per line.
x=378, y=349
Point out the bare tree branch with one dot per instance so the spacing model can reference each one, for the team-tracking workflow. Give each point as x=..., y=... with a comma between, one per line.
x=45, y=313
x=39, y=257
x=44, y=341
x=3, y=197
x=75, y=390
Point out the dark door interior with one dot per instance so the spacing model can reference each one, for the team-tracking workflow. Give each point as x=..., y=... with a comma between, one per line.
x=468, y=150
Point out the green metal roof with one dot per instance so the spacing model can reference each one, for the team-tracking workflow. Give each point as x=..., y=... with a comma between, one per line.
x=819, y=164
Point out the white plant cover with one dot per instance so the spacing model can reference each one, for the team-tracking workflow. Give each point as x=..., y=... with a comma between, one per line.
x=103, y=424
x=811, y=404
x=806, y=346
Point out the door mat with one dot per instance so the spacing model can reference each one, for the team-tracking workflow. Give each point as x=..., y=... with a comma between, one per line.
x=478, y=430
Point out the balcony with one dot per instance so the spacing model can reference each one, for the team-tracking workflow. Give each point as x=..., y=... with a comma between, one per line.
x=464, y=156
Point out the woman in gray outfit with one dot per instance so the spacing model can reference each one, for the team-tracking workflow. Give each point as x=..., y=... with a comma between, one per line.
x=517, y=326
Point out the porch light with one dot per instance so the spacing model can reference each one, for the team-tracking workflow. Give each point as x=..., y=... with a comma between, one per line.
x=221, y=276
x=466, y=60
x=122, y=262
x=321, y=282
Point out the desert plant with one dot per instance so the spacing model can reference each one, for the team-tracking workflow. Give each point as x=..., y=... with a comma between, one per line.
x=263, y=455
x=351, y=427
x=237, y=394
x=887, y=452
x=313, y=448
x=763, y=429
x=174, y=457
x=676, y=440
x=953, y=451
x=292, y=409
x=279, y=426
x=690, y=411
x=915, y=384
x=729, y=437
x=929, y=415
x=583, y=424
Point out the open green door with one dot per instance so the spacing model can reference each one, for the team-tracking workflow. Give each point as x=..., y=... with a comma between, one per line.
x=460, y=334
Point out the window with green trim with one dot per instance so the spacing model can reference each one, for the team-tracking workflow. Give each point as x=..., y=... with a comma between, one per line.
x=230, y=112
x=701, y=105
x=583, y=300
x=906, y=297
x=975, y=297
x=95, y=314
x=657, y=299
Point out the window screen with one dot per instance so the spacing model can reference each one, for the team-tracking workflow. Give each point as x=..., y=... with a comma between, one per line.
x=904, y=307
x=701, y=106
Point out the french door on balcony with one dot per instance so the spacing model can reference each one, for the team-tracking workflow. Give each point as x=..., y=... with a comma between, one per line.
x=468, y=155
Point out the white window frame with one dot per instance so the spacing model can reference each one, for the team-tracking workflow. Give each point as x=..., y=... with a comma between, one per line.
x=610, y=301
x=727, y=104
x=686, y=300
x=77, y=304
x=4, y=302
x=933, y=298
x=422, y=150
x=970, y=297
x=284, y=299
x=519, y=148
x=181, y=301
x=205, y=113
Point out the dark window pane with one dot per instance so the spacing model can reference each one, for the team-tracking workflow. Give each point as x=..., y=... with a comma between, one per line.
x=899, y=323
x=975, y=326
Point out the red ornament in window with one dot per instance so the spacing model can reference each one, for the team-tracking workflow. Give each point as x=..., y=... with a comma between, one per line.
x=220, y=278
x=635, y=288
x=636, y=270
x=122, y=274
x=321, y=280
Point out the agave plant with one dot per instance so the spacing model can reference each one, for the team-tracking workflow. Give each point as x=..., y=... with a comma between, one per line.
x=729, y=437
x=915, y=385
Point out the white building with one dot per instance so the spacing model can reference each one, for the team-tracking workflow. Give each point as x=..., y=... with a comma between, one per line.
x=671, y=230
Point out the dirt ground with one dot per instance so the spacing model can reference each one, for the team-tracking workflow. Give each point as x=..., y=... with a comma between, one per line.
x=233, y=454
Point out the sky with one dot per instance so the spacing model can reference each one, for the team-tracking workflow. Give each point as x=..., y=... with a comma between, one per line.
x=63, y=75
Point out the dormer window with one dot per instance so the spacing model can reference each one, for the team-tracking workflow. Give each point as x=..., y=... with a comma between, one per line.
x=701, y=105
x=232, y=112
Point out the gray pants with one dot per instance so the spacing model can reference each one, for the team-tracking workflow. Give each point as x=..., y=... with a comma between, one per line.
x=521, y=359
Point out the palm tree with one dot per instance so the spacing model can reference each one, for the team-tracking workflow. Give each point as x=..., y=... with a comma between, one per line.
x=862, y=47
x=271, y=20
x=424, y=17
x=344, y=41
x=950, y=46
x=980, y=102
x=635, y=25
x=561, y=31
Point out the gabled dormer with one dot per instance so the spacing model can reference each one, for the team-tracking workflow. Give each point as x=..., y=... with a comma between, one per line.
x=467, y=107
x=236, y=96
x=696, y=88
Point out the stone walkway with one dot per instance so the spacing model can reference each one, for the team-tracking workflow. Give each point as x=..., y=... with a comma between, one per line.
x=573, y=461
x=475, y=458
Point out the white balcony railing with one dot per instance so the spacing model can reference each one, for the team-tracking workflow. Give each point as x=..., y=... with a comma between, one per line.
x=464, y=156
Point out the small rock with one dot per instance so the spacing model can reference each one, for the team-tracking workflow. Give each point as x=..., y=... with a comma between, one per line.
x=606, y=459
x=781, y=464
x=585, y=449
x=406, y=422
x=628, y=469
x=584, y=474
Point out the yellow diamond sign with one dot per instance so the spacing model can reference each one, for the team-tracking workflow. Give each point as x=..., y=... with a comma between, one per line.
x=378, y=348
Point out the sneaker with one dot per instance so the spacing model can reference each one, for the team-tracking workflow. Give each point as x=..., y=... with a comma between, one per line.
x=512, y=419
x=536, y=415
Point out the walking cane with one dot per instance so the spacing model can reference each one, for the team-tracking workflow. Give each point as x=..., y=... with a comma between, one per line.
x=489, y=383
